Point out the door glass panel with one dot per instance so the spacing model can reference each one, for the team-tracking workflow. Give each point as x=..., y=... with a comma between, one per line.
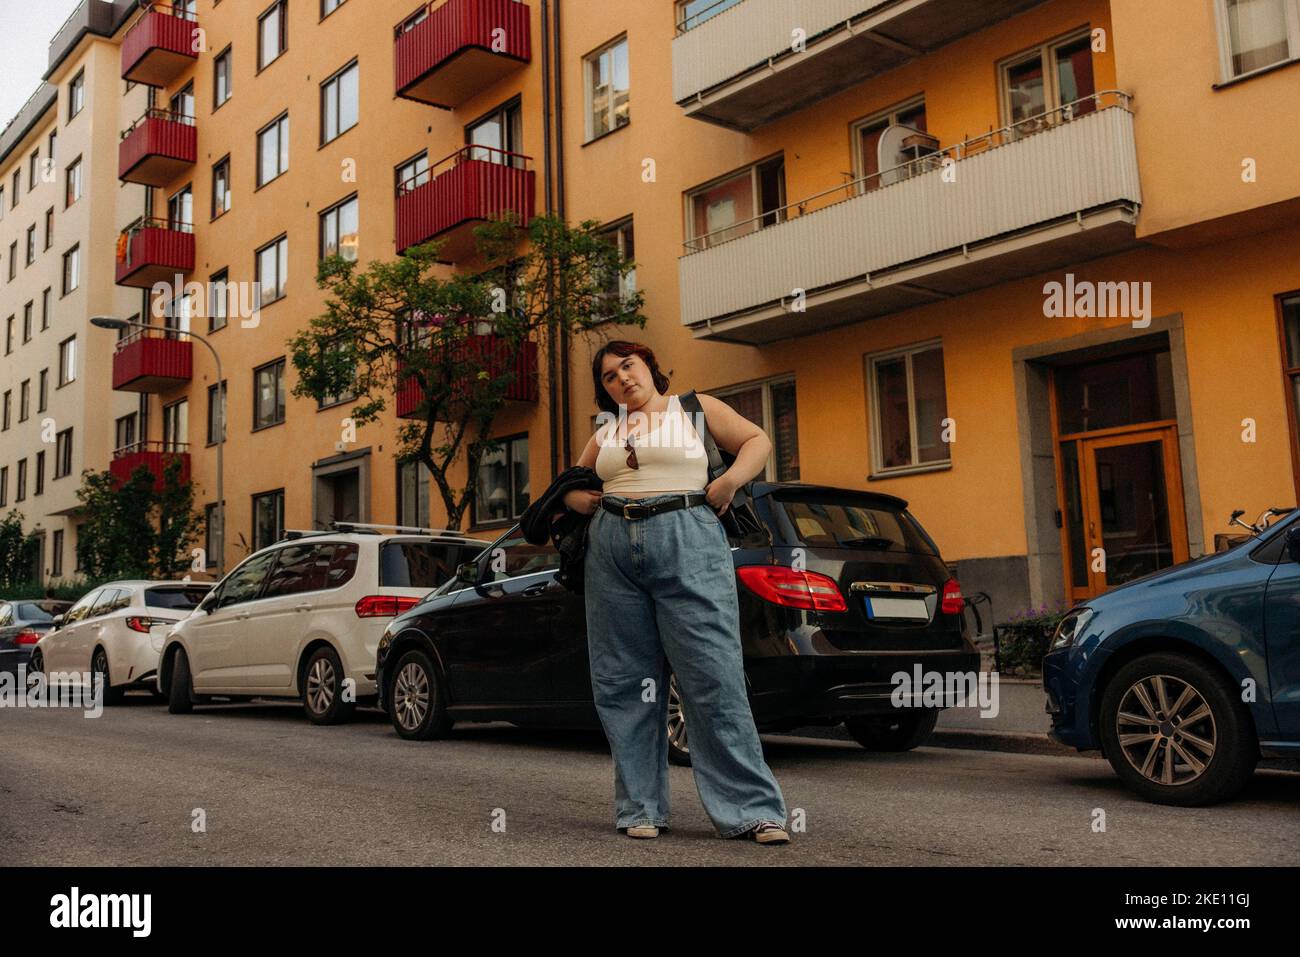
x=724, y=211
x=1127, y=390
x=931, y=405
x=1133, y=510
x=300, y=568
x=245, y=583
x=1073, y=517
x=1025, y=89
x=1074, y=74
x=895, y=425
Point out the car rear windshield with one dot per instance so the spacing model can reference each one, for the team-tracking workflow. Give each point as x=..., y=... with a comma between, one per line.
x=417, y=564
x=30, y=611
x=845, y=522
x=180, y=599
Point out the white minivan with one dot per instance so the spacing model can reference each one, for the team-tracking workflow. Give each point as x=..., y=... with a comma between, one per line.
x=303, y=618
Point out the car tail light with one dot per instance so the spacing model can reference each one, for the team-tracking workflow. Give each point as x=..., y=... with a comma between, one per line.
x=953, y=601
x=143, y=624
x=385, y=606
x=785, y=586
x=27, y=637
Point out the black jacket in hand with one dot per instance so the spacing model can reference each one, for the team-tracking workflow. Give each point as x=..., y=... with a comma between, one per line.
x=549, y=519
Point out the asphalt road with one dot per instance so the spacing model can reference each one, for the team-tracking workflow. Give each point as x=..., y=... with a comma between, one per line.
x=123, y=790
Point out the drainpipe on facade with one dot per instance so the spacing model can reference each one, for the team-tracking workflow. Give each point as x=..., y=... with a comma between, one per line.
x=552, y=398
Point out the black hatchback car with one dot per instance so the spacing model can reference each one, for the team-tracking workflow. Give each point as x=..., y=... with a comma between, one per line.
x=841, y=591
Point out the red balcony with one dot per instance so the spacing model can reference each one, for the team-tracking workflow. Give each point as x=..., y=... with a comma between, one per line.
x=445, y=53
x=155, y=456
x=152, y=360
x=497, y=356
x=153, y=250
x=157, y=148
x=159, y=46
x=472, y=185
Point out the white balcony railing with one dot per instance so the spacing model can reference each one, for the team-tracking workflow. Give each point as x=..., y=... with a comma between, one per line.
x=1048, y=168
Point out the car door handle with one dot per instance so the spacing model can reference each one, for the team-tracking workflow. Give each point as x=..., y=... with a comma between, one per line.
x=532, y=591
x=302, y=607
x=242, y=616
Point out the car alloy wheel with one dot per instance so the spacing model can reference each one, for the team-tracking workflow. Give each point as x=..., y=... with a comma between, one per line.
x=1166, y=730
x=321, y=685
x=411, y=696
x=676, y=718
x=35, y=668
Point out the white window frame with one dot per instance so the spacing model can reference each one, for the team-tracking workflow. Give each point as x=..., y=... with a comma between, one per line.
x=280, y=127
x=589, y=90
x=1051, y=84
x=226, y=59
x=873, y=410
x=336, y=81
x=1225, y=42
x=889, y=116
x=756, y=187
x=281, y=9
x=67, y=361
x=769, y=468
x=281, y=271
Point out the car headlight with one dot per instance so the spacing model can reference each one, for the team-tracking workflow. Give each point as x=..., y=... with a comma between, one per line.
x=1071, y=627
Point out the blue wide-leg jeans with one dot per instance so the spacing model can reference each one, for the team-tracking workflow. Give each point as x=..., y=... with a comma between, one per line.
x=660, y=599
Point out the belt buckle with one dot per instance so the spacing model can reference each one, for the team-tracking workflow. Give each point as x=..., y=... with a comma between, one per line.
x=632, y=505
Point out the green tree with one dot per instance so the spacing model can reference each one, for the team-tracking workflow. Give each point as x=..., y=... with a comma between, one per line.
x=136, y=529
x=18, y=551
x=403, y=324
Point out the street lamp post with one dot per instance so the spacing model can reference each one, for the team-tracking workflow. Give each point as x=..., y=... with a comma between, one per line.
x=112, y=322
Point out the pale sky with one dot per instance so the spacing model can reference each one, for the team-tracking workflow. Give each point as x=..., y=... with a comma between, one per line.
x=26, y=27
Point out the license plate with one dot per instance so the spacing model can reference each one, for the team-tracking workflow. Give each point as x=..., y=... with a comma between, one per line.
x=912, y=609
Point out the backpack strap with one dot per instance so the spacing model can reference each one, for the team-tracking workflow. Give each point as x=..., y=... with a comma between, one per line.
x=690, y=404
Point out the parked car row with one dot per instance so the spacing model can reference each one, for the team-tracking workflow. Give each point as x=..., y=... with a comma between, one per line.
x=1182, y=678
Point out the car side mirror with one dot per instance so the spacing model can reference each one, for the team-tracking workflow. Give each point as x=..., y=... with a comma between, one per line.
x=1293, y=543
x=58, y=622
x=467, y=572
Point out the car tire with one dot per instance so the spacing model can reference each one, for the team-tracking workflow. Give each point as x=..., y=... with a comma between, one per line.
x=679, y=751
x=322, y=688
x=35, y=666
x=893, y=732
x=417, y=703
x=180, y=696
x=99, y=666
x=1188, y=688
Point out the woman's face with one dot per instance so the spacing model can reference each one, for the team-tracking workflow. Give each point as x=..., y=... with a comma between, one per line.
x=627, y=379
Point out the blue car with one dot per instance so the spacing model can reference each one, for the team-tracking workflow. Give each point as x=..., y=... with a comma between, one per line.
x=1185, y=678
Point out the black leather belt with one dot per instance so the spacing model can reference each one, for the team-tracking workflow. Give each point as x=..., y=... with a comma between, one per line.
x=633, y=510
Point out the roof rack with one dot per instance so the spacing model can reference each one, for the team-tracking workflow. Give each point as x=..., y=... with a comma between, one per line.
x=368, y=527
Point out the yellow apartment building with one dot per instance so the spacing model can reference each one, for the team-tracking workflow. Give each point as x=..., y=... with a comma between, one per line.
x=1028, y=264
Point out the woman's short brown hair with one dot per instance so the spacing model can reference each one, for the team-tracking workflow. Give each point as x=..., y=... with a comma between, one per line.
x=622, y=348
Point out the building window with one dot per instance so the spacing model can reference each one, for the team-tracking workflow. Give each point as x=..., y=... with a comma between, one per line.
x=500, y=135
x=4, y=485
x=413, y=173
x=9, y=335
x=72, y=183
x=180, y=210
x=268, y=518
x=502, y=491
x=1255, y=34
x=1047, y=78
x=339, y=103
x=31, y=244
x=76, y=94
x=5, y=418
x=49, y=227
x=338, y=230
x=329, y=6
x=63, y=454
x=607, y=89
x=217, y=416
x=273, y=150
x=736, y=205
x=45, y=309
x=124, y=432
x=691, y=13
x=212, y=538
x=20, y=494
x=17, y=184
x=56, y=556
x=52, y=143
x=33, y=164
x=68, y=361
x=2, y=202
x=272, y=33
x=27, y=322
x=24, y=400
x=71, y=269
x=218, y=300
x=413, y=495
x=268, y=395
x=176, y=426
x=619, y=289
x=771, y=406
x=43, y=391
x=272, y=268
x=40, y=474
x=866, y=140
x=221, y=187
x=222, y=77
x=909, y=408
x=1289, y=308
x=13, y=260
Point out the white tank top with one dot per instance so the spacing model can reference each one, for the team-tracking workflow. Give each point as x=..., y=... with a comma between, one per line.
x=671, y=457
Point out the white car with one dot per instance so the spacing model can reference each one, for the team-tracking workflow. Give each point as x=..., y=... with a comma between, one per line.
x=303, y=618
x=117, y=630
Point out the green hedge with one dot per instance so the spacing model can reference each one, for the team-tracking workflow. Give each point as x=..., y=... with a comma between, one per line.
x=1024, y=638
